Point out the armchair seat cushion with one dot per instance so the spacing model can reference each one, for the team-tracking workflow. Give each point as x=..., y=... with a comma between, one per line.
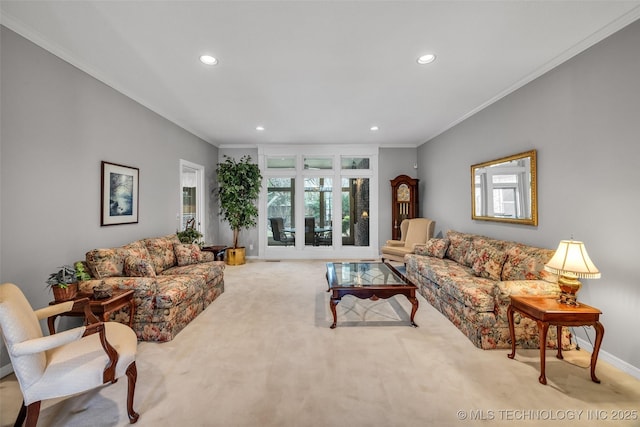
x=398, y=251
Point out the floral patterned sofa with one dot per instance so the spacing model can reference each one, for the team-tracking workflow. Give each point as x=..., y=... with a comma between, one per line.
x=469, y=278
x=172, y=282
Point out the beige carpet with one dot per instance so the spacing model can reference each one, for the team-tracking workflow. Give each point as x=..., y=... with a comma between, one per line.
x=263, y=355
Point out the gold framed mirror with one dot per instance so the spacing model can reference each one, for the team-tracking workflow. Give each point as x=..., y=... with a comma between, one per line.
x=505, y=190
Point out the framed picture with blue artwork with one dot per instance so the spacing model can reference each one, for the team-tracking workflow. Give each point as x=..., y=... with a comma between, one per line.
x=119, y=196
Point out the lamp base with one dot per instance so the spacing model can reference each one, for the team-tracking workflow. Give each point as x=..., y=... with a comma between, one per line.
x=569, y=287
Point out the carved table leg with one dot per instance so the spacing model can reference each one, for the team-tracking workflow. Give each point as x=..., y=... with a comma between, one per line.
x=543, y=328
x=51, y=322
x=332, y=304
x=414, y=309
x=594, y=356
x=512, y=332
x=559, y=341
x=132, y=309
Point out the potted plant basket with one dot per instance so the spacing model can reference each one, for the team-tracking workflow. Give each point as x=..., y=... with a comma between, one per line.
x=64, y=282
x=239, y=185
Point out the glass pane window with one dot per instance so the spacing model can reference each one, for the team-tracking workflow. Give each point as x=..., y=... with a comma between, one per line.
x=355, y=211
x=281, y=162
x=354, y=163
x=318, y=163
x=318, y=217
x=280, y=208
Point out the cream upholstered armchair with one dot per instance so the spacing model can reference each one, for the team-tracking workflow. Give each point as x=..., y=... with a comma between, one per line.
x=65, y=363
x=412, y=232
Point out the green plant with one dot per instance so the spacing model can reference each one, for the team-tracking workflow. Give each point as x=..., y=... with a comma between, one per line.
x=63, y=277
x=67, y=274
x=190, y=235
x=239, y=185
x=81, y=273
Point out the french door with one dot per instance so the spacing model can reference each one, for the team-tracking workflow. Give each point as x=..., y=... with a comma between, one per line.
x=318, y=205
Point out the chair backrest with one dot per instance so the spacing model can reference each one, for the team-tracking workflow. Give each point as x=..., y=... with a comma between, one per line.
x=418, y=230
x=277, y=224
x=19, y=323
x=309, y=230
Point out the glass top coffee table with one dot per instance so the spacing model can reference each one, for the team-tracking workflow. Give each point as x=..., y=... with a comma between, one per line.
x=373, y=280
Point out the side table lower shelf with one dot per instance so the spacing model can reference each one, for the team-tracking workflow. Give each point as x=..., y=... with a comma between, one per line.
x=102, y=308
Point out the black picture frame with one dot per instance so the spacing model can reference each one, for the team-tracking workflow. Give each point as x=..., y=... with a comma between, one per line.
x=119, y=194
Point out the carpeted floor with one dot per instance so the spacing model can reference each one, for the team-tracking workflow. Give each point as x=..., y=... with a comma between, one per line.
x=263, y=355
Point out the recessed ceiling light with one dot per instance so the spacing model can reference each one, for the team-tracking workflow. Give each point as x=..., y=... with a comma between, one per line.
x=259, y=128
x=426, y=59
x=374, y=128
x=208, y=60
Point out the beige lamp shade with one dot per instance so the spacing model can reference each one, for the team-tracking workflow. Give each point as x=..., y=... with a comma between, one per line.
x=571, y=257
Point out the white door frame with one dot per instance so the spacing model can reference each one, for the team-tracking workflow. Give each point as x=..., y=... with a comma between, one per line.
x=200, y=207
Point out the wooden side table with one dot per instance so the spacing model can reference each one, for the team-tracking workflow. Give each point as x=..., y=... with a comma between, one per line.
x=548, y=311
x=102, y=308
x=218, y=251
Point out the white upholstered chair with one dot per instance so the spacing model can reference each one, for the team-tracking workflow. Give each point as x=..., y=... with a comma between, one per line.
x=65, y=363
x=412, y=232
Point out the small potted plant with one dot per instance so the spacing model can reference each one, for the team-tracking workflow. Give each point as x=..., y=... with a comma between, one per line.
x=190, y=235
x=64, y=282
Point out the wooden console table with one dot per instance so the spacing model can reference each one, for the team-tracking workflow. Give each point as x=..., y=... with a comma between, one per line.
x=548, y=311
x=102, y=308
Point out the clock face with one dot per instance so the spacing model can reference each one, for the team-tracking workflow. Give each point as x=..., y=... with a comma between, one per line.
x=403, y=193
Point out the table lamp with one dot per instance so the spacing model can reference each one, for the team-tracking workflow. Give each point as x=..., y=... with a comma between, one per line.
x=571, y=262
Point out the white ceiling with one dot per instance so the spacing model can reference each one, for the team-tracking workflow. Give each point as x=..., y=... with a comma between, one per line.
x=315, y=72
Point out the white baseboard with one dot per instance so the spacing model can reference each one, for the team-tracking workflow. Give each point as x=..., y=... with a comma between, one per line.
x=6, y=370
x=610, y=358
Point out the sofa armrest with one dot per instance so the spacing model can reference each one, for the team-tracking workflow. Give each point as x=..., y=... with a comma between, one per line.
x=142, y=286
x=206, y=256
x=507, y=288
x=394, y=243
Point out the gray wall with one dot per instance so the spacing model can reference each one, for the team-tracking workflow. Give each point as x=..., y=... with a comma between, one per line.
x=57, y=125
x=584, y=119
x=393, y=162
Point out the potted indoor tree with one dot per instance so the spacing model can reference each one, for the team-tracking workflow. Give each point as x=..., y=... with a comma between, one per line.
x=238, y=190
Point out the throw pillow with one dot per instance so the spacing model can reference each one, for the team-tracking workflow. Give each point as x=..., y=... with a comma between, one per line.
x=161, y=253
x=434, y=248
x=488, y=262
x=458, y=247
x=105, y=262
x=138, y=267
x=187, y=254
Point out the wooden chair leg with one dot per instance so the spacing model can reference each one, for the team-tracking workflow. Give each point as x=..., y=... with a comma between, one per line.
x=21, y=416
x=31, y=412
x=132, y=375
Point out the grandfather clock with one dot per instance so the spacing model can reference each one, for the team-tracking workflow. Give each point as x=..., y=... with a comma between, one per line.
x=404, y=202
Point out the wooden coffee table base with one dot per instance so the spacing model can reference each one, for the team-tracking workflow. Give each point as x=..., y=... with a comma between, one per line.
x=546, y=312
x=374, y=295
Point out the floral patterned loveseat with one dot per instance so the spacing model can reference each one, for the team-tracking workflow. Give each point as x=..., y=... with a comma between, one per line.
x=172, y=282
x=469, y=278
